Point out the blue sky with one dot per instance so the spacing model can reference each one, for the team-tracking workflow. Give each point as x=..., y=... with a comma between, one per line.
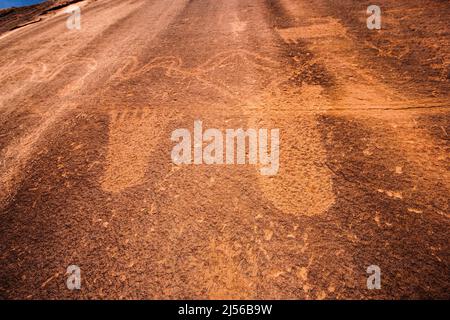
x=17, y=3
